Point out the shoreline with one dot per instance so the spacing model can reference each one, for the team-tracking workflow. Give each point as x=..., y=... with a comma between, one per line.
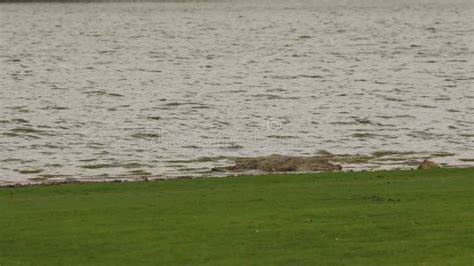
x=220, y=166
x=237, y=175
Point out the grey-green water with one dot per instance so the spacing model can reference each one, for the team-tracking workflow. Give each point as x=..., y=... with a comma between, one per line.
x=106, y=90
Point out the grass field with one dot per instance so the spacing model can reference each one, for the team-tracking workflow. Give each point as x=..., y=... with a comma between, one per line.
x=412, y=217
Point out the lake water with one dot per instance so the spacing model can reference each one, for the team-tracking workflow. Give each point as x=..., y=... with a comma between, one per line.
x=122, y=90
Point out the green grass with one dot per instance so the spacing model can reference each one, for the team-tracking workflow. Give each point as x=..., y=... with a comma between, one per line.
x=413, y=217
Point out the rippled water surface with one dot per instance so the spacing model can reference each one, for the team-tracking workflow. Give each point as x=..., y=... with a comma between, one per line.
x=112, y=90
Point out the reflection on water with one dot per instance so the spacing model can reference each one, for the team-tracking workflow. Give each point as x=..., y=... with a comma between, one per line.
x=171, y=89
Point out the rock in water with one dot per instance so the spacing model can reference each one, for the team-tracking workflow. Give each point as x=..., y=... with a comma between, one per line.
x=427, y=164
x=282, y=163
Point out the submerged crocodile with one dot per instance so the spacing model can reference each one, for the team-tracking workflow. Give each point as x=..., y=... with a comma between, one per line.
x=282, y=163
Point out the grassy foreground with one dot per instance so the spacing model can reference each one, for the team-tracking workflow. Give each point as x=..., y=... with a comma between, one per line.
x=419, y=217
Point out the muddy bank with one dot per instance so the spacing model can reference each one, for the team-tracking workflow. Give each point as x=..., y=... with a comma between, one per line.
x=324, y=161
x=203, y=167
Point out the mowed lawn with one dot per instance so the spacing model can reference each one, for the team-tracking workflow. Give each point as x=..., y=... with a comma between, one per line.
x=411, y=217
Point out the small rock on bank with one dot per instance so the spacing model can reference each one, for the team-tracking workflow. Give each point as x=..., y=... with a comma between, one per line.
x=427, y=164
